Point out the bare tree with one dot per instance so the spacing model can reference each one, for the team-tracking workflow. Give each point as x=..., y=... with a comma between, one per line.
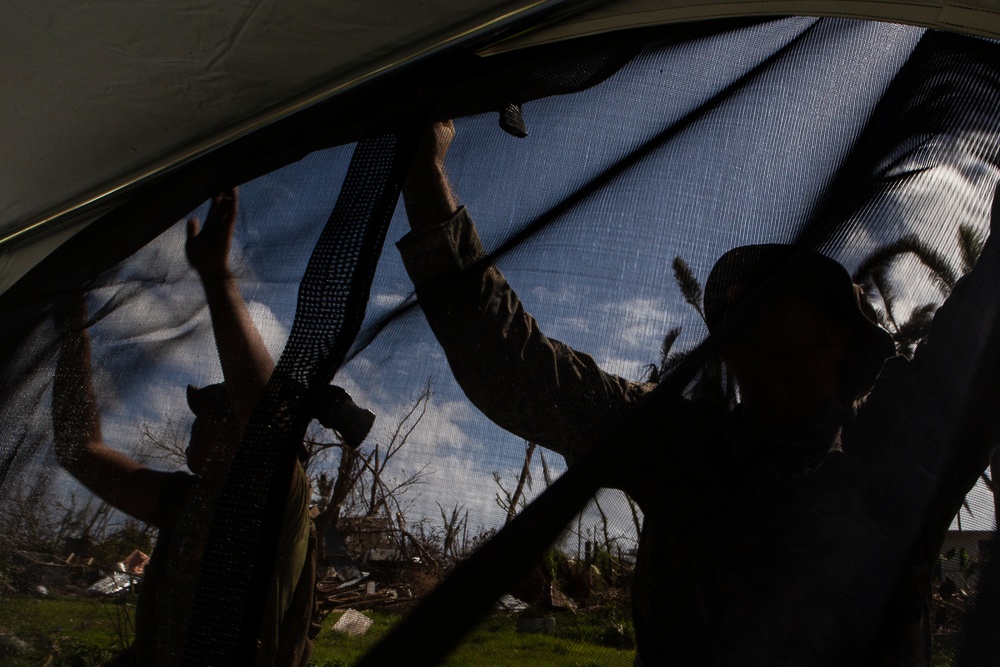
x=454, y=522
x=26, y=523
x=360, y=486
x=164, y=443
x=511, y=501
x=363, y=488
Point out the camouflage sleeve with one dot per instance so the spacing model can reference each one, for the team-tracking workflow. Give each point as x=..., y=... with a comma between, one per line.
x=533, y=386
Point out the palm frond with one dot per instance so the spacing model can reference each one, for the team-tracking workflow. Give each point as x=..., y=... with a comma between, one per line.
x=668, y=344
x=688, y=284
x=882, y=259
x=970, y=244
x=887, y=292
x=910, y=333
x=941, y=270
x=672, y=362
x=712, y=384
x=656, y=372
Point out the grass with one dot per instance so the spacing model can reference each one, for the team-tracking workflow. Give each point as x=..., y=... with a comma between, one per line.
x=77, y=632
x=495, y=642
x=84, y=632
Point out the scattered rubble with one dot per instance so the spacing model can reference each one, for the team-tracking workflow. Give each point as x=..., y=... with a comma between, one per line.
x=336, y=596
x=353, y=623
x=128, y=574
x=11, y=645
x=560, y=600
x=114, y=583
x=46, y=575
x=510, y=603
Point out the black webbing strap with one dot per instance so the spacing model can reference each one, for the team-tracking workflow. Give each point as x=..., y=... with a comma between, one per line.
x=220, y=567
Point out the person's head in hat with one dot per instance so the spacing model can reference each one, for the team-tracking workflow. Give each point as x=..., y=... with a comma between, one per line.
x=214, y=423
x=806, y=336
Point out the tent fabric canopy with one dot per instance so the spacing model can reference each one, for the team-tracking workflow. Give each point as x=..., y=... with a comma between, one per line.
x=111, y=94
x=102, y=95
x=980, y=17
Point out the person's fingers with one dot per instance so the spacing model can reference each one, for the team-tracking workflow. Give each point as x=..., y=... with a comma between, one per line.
x=444, y=132
x=223, y=207
x=192, y=227
x=214, y=208
x=70, y=308
x=435, y=143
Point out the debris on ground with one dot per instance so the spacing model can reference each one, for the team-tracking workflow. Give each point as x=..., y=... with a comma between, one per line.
x=116, y=582
x=11, y=645
x=560, y=600
x=353, y=623
x=127, y=574
x=510, y=603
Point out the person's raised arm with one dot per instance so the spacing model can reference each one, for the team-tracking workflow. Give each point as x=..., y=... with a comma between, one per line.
x=941, y=409
x=534, y=386
x=80, y=447
x=246, y=363
x=427, y=193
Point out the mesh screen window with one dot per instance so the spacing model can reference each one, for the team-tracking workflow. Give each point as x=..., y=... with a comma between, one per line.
x=800, y=504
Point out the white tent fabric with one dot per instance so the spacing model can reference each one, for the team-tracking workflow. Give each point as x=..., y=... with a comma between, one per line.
x=977, y=17
x=101, y=96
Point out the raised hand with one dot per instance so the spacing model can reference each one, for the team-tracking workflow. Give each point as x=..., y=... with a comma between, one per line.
x=434, y=145
x=69, y=311
x=207, y=247
x=427, y=194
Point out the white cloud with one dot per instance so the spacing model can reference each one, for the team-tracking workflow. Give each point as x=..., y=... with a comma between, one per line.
x=638, y=321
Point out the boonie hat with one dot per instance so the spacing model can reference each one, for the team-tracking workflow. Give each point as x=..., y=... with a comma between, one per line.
x=809, y=274
x=209, y=400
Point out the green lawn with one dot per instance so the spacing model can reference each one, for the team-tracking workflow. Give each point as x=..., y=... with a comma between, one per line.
x=495, y=642
x=77, y=632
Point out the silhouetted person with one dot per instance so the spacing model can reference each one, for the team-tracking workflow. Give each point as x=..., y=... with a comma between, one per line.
x=797, y=529
x=222, y=412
